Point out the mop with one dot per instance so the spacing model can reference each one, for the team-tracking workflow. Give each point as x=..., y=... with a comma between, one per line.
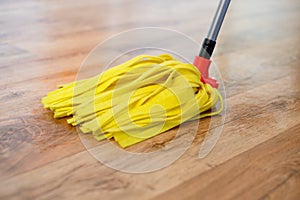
x=144, y=96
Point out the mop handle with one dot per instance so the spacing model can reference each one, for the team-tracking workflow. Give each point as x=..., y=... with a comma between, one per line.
x=202, y=62
x=218, y=20
x=210, y=41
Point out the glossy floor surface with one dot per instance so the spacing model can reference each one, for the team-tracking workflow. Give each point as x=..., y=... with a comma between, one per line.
x=257, y=156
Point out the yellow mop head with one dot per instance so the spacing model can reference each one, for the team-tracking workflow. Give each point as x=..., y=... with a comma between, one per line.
x=136, y=100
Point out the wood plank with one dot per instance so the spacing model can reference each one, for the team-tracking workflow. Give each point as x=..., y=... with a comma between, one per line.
x=260, y=173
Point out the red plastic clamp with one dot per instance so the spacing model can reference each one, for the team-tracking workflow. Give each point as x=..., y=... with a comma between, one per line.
x=203, y=66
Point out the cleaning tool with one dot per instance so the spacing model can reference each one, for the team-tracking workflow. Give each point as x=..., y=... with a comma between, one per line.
x=142, y=97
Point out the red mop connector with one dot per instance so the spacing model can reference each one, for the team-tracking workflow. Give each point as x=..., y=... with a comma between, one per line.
x=203, y=66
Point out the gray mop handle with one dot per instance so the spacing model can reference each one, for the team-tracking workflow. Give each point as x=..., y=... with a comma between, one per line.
x=209, y=42
x=218, y=20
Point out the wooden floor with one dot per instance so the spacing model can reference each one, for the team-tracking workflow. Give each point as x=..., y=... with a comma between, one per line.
x=42, y=44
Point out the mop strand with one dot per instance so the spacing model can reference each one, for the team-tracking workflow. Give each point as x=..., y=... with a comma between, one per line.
x=136, y=100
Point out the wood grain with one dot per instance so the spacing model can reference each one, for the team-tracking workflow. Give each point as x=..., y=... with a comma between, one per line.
x=262, y=171
x=43, y=43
